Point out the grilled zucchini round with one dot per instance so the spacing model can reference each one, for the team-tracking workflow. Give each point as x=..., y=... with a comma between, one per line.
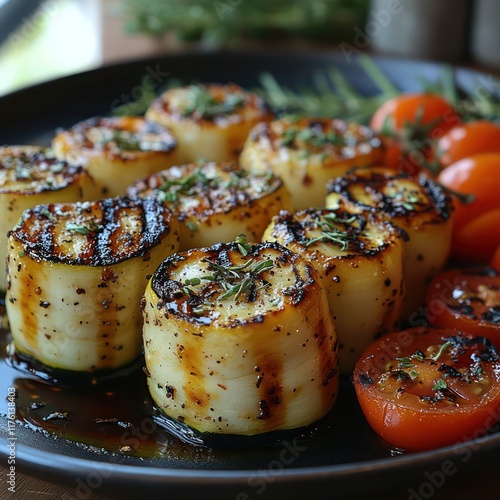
x=216, y=202
x=418, y=206
x=308, y=152
x=210, y=121
x=29, y=176
x=76, y=274
x=117, y=151
x=238, y=339
x=360, y=261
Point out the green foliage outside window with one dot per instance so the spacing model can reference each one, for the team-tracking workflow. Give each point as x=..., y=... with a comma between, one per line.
x=231, y=21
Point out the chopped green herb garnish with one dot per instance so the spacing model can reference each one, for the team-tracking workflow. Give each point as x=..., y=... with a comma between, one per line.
x=407, y=199
x=400, y=375
x=57, y=168
x=441, y=351
x=85, y=229
x=235, y=280
x=49, y=215
x=330, y=232
x=192, y=226
x=22, y=253
x=192, y=281
x=243, y=246
x=125, y=140
x=202, y=103
x=203, y=307
x=476, y=370
x=172, y=189
x=407, y=362
x=313, y=136
x=440, y=385
x=23, y=172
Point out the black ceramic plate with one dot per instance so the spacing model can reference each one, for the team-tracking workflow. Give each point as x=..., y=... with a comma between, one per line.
x=340, y=456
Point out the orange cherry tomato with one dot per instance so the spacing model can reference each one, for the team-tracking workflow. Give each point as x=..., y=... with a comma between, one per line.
x=495, y=261
x=416, y=109
x=425, y=388
x=466, y=300
x=469, y=139
x=478, y=239
x=478, y=175
x=410, y=126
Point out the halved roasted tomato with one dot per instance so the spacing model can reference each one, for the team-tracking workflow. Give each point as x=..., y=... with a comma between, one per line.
x=425, y=388
x=466, y=299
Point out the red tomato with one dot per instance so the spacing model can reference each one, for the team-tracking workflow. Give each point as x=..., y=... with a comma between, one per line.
x=495, y=261
x=478, y=239
x=467, y=140
x=478, y=175
x=410, y=125
x=416, y=109
x=467, y=300
x=425, y=388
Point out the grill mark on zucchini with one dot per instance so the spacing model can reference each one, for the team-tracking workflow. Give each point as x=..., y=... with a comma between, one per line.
x=103, y=247
x=163, y=105
x=80, y=137
x=43, y=171
x=341, y=140
x=175, y=301
x=212, y=199
x=295, y=227
x=374, y=182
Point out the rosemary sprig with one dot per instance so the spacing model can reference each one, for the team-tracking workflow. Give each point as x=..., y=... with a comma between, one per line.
x=234, y=280
x=330, y=231
x=331, y=94
x=237, y=280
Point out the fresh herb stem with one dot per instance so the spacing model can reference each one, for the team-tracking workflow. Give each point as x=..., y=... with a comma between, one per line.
x=378, y=77
x=441, y=351
x=330, y=231
x=235, y=280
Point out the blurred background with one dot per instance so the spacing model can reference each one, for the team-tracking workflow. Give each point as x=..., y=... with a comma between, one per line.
x=43, y=39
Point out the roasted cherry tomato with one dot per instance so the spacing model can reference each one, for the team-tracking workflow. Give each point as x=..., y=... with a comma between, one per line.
x=410, y=126
x=479, y=176
x=469, y=139
x=468, y=300
x=426, y=388
x=479, y=238
x=495, y=261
